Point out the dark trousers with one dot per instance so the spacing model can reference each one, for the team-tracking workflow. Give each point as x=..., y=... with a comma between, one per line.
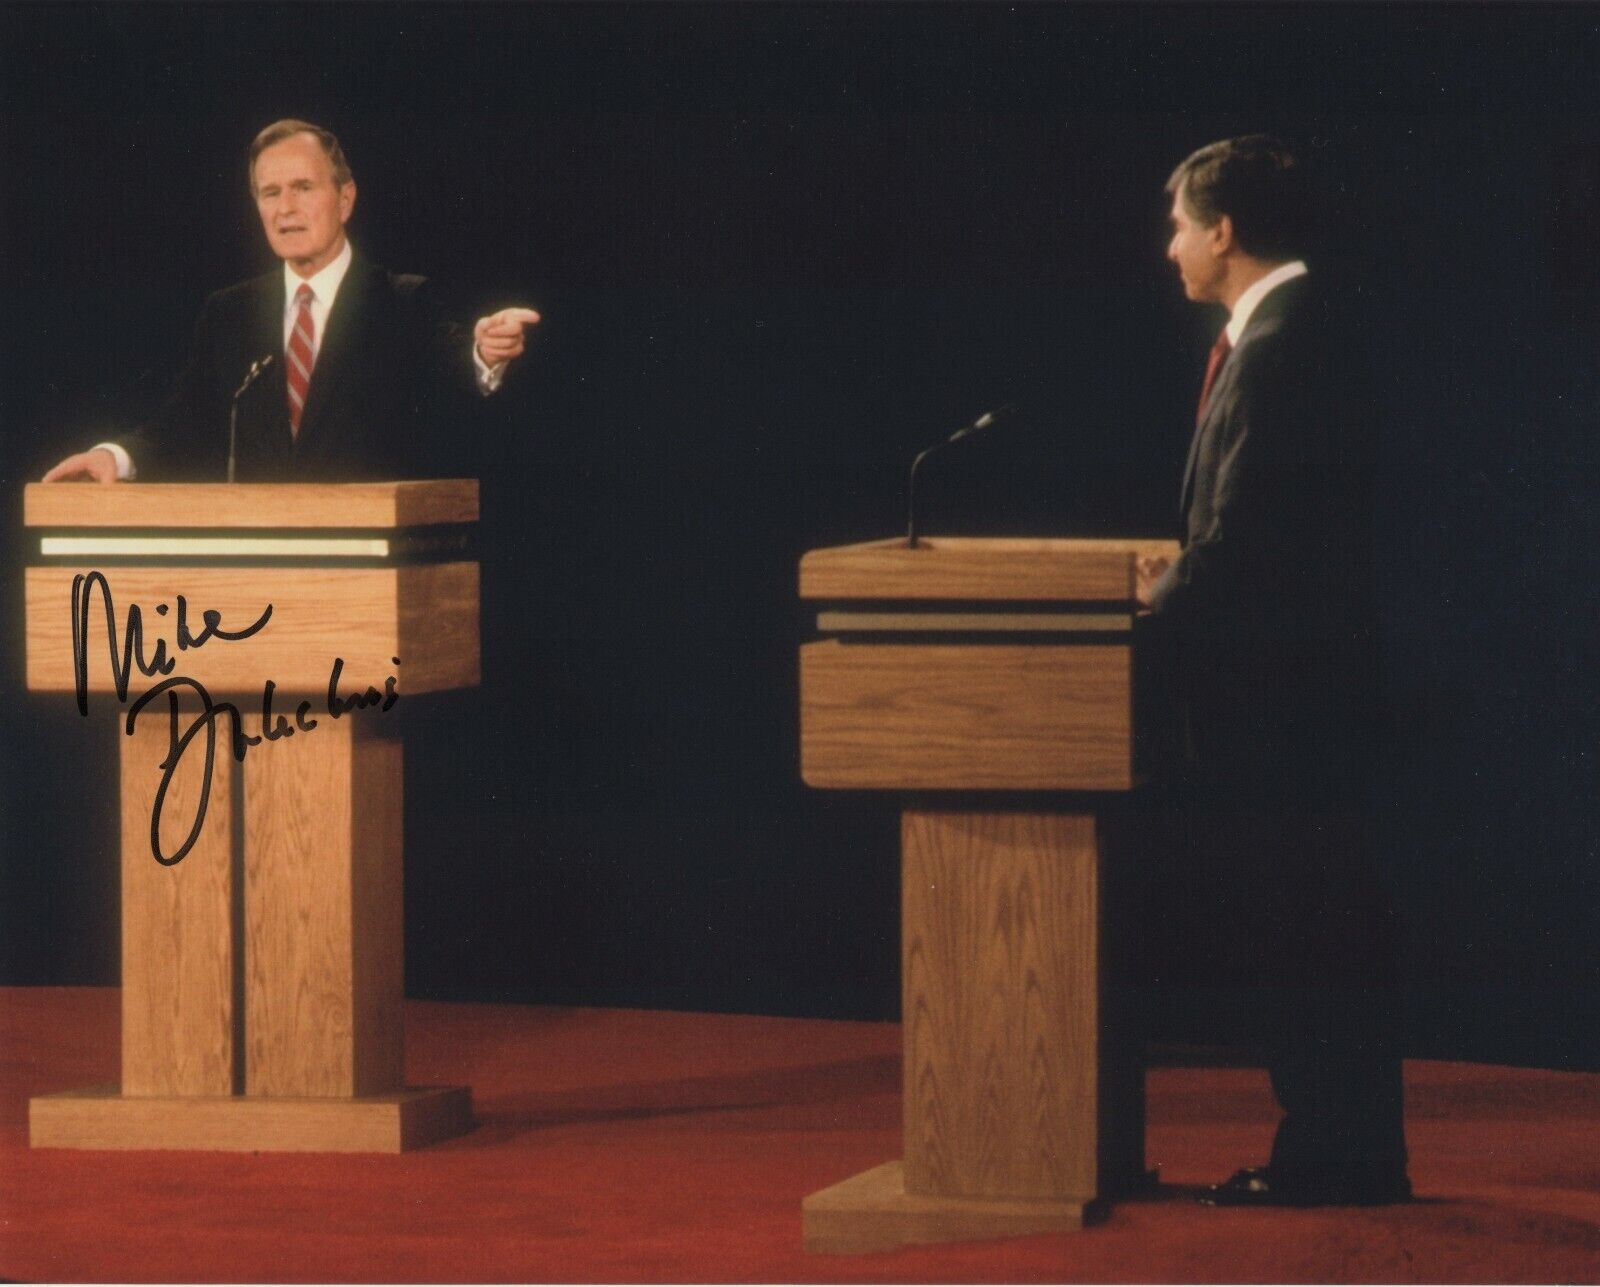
x=1275, y=913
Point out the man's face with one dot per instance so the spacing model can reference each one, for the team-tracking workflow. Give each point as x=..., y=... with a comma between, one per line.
x=302, y=209
x=1198, y=253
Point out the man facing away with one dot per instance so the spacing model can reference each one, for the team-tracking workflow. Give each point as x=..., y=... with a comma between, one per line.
x=329, y=368
x=1266, y=623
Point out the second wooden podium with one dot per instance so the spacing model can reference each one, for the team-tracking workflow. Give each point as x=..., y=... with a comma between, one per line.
x=262, y=944
x=991, y=683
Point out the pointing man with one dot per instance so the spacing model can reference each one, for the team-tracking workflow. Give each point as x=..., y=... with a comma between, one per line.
x=328, y=368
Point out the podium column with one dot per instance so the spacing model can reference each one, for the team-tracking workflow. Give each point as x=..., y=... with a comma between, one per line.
x=263, y=965
x=323, y=922
x=999, y=1007
x=179, y=995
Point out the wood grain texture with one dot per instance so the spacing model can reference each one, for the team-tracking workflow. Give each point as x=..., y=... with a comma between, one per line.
x=264, y=505
x=323, y=981
x=874, y=1212
x=99, y=1118
x=1059, y=570
x=177, y=931
x=966, y=717
x=425, y=615
x=377, y=911
x=439, y=628
x=1000, y=1005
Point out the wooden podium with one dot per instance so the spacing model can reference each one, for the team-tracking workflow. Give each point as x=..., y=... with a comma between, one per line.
x=262, y=971
x=991, y=682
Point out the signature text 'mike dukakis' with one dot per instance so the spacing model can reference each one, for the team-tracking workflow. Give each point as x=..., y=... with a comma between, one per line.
x=128, y=655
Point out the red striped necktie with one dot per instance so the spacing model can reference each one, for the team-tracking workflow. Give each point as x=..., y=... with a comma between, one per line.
x=302, y=357
x=1219, y=355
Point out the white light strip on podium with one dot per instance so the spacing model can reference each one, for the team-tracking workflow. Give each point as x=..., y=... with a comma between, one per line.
x=327, y=547
x=1008, y=622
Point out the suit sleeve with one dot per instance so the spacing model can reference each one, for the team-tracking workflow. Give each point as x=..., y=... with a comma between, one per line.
x=448, y=415
x=186, y=440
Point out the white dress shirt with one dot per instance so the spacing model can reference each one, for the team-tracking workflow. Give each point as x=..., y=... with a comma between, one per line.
x=324, y=283
x=1258, y=291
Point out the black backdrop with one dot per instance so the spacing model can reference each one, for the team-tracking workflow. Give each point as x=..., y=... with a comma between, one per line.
x=779, y=248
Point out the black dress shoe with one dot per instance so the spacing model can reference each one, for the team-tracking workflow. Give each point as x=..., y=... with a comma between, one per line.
x=1258, y=1186
x=1251, y=1187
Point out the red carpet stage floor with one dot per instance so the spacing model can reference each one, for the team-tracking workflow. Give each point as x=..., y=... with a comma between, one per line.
x=637, y=1146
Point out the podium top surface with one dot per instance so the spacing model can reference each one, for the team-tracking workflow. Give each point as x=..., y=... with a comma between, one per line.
x=1016, y=569
x=250, y=505
x=359, y=574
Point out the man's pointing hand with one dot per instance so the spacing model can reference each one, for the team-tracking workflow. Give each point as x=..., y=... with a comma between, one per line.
x=499, y=336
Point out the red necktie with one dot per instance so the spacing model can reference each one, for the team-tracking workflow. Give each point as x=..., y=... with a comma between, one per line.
x=1219, y=355
x=302, y=357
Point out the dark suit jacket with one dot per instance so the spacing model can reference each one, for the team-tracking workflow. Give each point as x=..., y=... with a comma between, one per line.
x=392, y=394
x=1267, y=615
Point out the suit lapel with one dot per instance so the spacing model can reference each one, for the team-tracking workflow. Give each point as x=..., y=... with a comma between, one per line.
x=344, y=322
x=1208, y=417
x=264, y=410
x=1276, y=302
x=268, y=337
x=1187, y=489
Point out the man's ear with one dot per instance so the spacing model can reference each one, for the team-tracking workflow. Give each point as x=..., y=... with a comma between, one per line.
x=1222, y=236
x=347, y=200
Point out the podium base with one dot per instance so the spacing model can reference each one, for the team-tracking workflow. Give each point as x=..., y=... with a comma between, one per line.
x=100, y=1117
x=873, y=1212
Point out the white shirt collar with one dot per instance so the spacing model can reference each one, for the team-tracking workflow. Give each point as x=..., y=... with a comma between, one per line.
x=1257, y=292
x=324, y=282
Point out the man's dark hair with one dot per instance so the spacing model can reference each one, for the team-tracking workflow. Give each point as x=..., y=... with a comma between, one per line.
x=1256, y=181
x=287, y=129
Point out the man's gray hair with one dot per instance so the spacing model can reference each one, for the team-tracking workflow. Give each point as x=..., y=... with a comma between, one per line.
x=287, y=129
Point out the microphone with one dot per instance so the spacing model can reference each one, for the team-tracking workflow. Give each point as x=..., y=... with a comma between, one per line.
x=256, y=368
x=981, y=423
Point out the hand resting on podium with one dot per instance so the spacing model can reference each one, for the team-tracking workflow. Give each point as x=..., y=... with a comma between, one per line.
x=97, y=465
x=1148, y=569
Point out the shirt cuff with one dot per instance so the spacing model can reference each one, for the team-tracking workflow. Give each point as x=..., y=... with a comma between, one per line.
x=489, y=377
x=125, y=469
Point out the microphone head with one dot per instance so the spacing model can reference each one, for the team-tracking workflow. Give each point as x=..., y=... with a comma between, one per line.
x=983, y=421
x=256, y=368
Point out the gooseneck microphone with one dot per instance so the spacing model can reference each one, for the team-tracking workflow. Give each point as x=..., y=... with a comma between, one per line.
x=256, y=368
x=982, y=422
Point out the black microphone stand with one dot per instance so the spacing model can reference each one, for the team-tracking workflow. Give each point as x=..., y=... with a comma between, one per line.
x=982, y=422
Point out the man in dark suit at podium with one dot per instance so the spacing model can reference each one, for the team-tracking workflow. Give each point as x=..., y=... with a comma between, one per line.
x=338, y=369
x=1266, y=620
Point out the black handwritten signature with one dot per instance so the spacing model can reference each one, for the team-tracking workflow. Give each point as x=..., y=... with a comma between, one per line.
x=274, y=726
